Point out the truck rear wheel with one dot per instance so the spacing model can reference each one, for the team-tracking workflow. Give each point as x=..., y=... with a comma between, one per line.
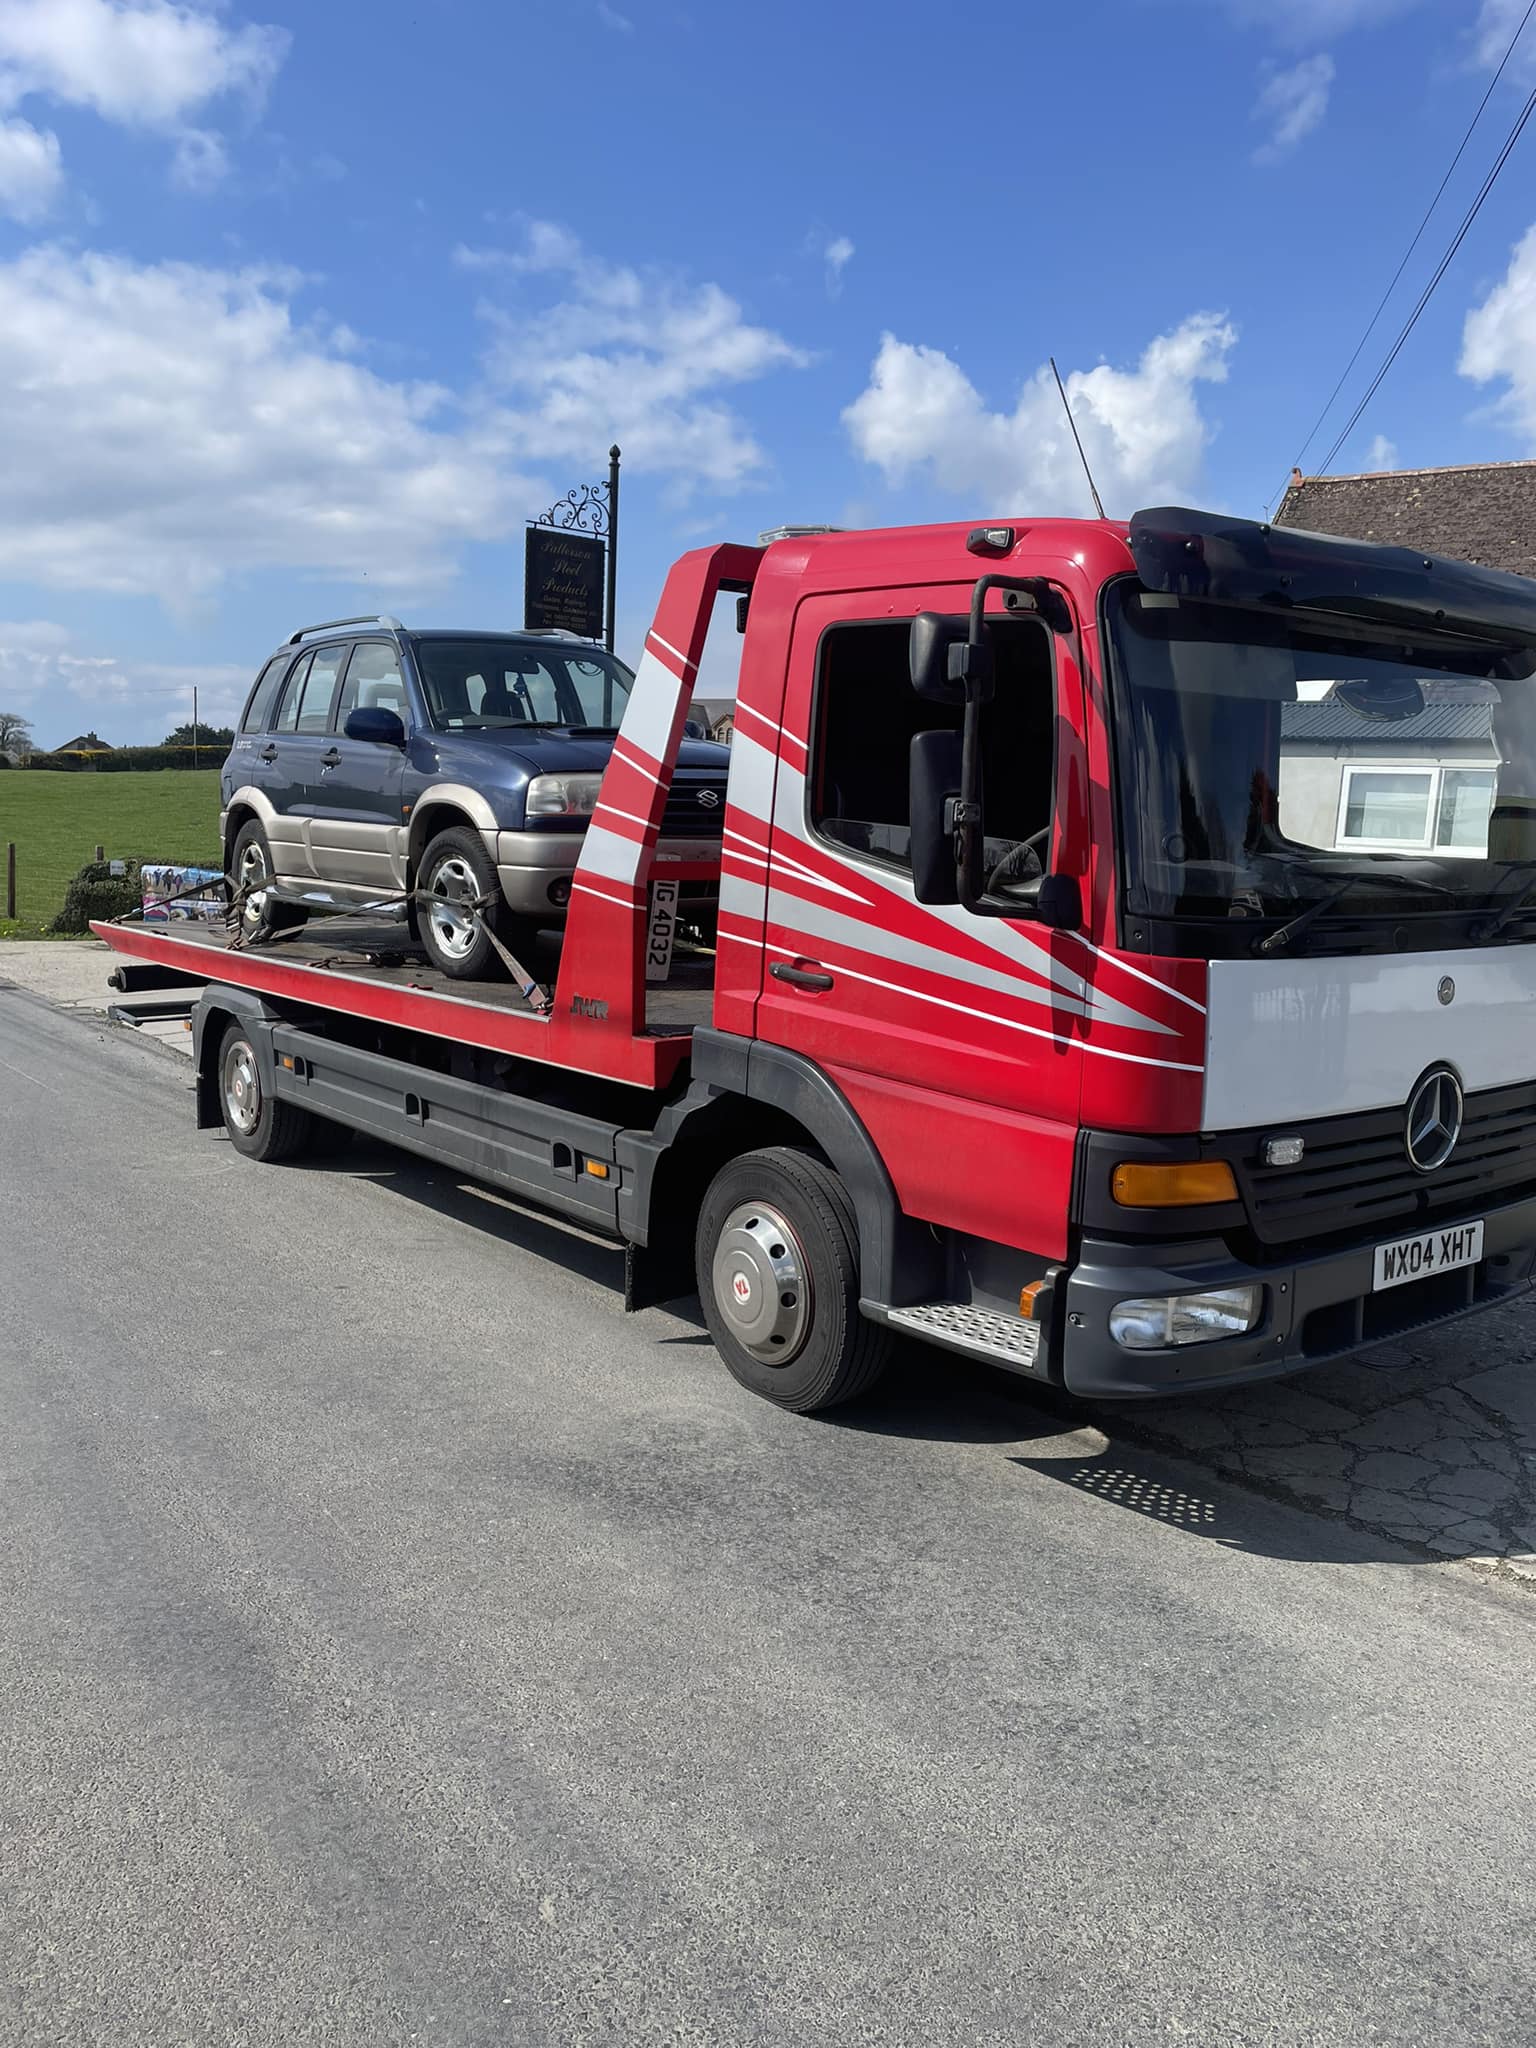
x=259, y=1125
x=778, y=1270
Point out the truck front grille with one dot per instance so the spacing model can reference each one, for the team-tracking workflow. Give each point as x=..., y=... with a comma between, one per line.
x=1355, y=1177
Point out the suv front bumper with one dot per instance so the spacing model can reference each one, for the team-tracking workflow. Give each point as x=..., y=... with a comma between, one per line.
x=535, y=868
x=1313, y=1309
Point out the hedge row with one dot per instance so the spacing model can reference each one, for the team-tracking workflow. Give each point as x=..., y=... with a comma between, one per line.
x=122, y=760
x=95, y=892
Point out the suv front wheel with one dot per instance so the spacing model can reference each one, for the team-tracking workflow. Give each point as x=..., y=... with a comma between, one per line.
x=458, y=895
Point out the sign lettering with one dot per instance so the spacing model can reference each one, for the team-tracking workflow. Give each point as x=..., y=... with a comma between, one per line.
x=563, y=581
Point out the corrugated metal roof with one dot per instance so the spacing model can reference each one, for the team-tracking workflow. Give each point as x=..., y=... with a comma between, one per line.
x=1330, y=720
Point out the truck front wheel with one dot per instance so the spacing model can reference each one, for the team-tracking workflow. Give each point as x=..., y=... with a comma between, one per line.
x=778, y=1270
x=259, y=1125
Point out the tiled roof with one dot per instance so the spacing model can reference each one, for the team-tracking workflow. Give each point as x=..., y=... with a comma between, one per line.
x=1482, y=512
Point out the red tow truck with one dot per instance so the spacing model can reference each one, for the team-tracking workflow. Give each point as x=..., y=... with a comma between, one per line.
x=1124, y=966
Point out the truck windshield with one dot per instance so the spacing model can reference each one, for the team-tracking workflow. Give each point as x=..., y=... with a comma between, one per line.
x=1265, y=762
x=483, y=685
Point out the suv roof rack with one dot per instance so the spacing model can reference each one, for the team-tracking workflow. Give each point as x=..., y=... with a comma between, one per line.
x=325, y=625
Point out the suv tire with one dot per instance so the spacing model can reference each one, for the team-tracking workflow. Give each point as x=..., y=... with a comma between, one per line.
x=250, y=859
x=777, y=1256
x=456, y=870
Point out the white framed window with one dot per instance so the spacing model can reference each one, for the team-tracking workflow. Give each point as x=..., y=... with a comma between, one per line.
x=1402, y=808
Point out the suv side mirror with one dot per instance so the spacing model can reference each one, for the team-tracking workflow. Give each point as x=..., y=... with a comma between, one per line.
x=934, y=788
x=373, y=722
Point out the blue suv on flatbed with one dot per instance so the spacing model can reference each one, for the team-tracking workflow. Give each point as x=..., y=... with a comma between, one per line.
x=372, y=760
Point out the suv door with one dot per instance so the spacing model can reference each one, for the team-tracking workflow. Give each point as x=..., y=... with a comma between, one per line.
x=292, y=755
x=356, y=833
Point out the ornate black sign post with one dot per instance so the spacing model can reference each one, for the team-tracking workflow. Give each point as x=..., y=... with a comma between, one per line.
x=563, y=581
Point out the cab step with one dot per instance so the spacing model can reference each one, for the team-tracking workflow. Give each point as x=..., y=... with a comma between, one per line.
x=985, y=1333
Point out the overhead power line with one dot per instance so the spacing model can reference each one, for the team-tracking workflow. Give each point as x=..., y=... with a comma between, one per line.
x=1418, y=236
x=1429, y=290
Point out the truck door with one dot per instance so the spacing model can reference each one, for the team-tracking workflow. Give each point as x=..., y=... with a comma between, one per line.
x=952, y=1034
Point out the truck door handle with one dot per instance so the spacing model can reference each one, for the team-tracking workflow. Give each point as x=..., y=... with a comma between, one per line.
x=332, y=759
x=800, y=977
x=269, y=753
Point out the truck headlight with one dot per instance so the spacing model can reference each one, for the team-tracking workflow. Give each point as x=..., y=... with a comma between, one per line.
x=1156, y=1322
x=562, y=796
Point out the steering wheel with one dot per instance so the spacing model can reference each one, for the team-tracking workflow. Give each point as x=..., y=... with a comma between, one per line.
x=1013, y=859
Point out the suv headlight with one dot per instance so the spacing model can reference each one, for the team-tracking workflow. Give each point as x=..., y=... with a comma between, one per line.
x=562, y=796
x=1155, y=1322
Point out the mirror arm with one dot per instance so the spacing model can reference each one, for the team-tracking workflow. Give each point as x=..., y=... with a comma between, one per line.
x=974, y=665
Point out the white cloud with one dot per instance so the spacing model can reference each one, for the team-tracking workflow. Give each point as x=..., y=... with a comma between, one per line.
x=610, y=17
x=1142, y=429
x=45, y=677
x=638, y=357
x=31, y=174
x=1492, y=32
x=1382, y=454
x=1291, y=104
x=837, y=256
x=166, y=426
x=1498, y=341
x=143, y=64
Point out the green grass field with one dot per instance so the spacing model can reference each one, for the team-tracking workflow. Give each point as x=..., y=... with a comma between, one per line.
x=58, y=820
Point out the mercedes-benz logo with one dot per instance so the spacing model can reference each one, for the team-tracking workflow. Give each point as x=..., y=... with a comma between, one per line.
x=1434, y=1120
x=709, y=798
x=1446, y=991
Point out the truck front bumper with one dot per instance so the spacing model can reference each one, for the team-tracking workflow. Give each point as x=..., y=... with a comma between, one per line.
x=1313, y=1309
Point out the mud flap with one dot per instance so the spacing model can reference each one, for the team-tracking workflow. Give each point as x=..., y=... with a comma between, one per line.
x=657, y=1273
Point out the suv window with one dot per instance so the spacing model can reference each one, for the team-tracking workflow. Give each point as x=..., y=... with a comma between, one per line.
x=867, y=713
x=306, y=703
x=373, y=682
x=495, y=681
x=259, y=709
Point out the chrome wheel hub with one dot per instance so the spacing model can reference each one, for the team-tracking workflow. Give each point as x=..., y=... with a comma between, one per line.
x=454, y=892
x=762, y=1284
x=242, y=1088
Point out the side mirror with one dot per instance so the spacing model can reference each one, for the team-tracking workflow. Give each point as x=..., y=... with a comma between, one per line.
x=1060, y=903
x=692, y=730
x=934, y=787
x=934, y=636
x=373, y=722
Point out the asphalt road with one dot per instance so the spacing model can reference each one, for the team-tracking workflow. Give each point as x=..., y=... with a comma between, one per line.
x=397, y=1644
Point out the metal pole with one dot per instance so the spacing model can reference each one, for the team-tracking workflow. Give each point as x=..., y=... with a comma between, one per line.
x=194, y=725
x=613, y=537
x=10, y=879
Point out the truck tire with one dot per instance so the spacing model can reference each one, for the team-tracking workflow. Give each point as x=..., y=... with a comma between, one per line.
x=249, y=861
x=455, y=870
x=259, y=1125
x=778, y=1269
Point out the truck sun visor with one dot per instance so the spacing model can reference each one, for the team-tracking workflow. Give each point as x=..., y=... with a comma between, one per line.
x=1241, y=561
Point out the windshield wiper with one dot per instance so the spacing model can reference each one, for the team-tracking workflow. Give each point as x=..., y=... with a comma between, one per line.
x=1278, y=941
x=1491, y=927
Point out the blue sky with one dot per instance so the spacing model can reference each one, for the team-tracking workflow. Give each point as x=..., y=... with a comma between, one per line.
x=304, y=309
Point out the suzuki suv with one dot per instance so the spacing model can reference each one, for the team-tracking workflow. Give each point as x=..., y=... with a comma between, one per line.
x=462, y=766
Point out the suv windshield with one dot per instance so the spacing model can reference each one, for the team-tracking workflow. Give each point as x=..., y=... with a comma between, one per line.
x=486, y=684
x=1268, y=764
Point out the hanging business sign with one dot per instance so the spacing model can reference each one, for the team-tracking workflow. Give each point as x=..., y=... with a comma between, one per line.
x=563, y=581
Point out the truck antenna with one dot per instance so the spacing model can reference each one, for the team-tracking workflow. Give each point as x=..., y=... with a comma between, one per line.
x=1098, y=502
